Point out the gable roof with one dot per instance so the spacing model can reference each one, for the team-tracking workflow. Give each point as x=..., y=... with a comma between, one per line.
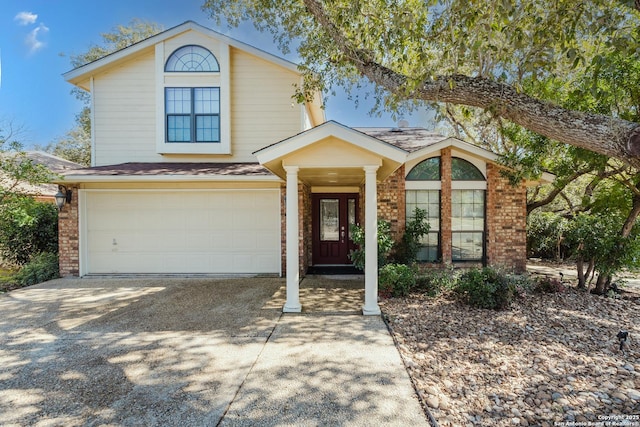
x=81, y=73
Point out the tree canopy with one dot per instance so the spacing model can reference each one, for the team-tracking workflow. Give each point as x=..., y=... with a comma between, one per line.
x=479, y=54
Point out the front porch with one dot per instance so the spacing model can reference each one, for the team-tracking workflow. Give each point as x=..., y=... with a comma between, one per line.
x=330, y=159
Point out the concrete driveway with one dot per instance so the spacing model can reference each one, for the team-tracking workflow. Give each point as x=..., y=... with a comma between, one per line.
x=194, y=352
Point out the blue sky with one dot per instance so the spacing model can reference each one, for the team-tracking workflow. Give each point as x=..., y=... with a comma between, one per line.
x=37, y=37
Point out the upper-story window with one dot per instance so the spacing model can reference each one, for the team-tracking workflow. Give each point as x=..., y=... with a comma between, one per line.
x=192, y=58
x=192, y=114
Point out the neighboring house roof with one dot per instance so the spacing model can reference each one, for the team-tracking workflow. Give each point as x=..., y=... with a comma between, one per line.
x=55, y=164
x=169, y=171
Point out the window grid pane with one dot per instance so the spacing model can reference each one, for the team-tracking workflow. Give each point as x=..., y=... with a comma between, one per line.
x=207, y=128
x=178, y=128
x=467, y=224
x=426, y=170
x=428, y=200
x=467, y=246
x=193, y=114
x=463, y=170
x=178, y=100
x=206, y=100
x=192, y=58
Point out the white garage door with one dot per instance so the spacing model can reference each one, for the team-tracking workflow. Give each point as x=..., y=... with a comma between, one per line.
x=217, y=231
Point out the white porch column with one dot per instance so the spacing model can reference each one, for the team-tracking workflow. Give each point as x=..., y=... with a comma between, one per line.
x=371, y=243
x=292, y=305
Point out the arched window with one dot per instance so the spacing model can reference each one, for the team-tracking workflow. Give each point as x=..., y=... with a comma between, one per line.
x=192, y=58
x=467, y=213
x=427, y=199
x=463, y=170
x=426, y=170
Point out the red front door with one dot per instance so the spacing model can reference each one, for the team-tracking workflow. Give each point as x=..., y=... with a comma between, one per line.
x=333, y=215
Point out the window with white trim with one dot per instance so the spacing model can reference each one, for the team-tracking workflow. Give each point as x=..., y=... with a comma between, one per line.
x=467, y=208
x=467, y=214
x=193, y=114
x=429, y=201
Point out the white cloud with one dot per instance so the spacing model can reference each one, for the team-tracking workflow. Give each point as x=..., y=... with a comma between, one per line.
x=34, y=41
x=26, y=18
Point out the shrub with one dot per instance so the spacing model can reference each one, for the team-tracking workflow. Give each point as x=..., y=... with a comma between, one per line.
x=487, y=288
x=385, y=243
x=549, y=285
x=41, y=268
x=546, y=235
x=406, y=251
x=433, y=282
x=398, y=279
x=27, y=228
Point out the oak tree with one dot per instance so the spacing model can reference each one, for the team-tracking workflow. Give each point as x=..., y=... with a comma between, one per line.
x=473, y=53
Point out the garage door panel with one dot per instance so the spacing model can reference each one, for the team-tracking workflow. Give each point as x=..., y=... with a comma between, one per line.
x=182, y=231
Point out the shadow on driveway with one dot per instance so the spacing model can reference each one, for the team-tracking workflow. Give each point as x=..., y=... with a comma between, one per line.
x=196, y=352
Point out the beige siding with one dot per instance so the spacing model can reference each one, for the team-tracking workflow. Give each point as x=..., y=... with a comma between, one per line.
x=262, y=110
x=125, y=113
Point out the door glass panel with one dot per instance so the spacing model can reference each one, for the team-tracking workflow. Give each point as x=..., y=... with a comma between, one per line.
x=329, y=223
x=351, y=213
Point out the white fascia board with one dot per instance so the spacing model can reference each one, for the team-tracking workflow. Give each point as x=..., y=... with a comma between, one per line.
x=326, y=130
x=170, y=33
x=165, y=178
x=456, y=143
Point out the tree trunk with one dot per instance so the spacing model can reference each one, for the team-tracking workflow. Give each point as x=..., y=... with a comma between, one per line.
x=582, y=283
x=632, y=217
x=602, y=284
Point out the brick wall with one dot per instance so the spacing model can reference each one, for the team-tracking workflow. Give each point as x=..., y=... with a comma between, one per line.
x=446, y=246
x=391, y=202
x=68, y=240
x=506, y=222
x=304, y=227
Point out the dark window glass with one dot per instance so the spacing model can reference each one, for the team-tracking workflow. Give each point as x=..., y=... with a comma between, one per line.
x=462, y=170
x=426, y=170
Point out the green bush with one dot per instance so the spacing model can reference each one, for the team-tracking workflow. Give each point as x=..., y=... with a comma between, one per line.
x=406, y=251
x=433, y=282
x=487, y=288
x=398, y=279
x=546, y=232
x=41, y=268
x=27, y=228
x=385, y=243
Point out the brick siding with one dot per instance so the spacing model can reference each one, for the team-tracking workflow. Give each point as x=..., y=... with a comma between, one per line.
x=506, y=222
x=68, y=238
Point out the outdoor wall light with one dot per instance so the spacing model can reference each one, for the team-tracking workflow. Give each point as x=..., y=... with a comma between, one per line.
x=62, y=197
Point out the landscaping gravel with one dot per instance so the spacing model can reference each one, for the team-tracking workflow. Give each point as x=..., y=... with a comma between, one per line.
x=552, y=359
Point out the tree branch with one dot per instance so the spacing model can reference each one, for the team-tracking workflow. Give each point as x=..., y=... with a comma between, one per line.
x=609, y=136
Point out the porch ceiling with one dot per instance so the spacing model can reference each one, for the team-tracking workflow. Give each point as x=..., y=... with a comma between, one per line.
x=332, y=176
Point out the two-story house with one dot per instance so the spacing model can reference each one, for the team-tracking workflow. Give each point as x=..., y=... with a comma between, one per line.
x=203, y=164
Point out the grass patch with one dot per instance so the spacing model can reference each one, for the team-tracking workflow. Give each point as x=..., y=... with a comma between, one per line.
x=8, y=279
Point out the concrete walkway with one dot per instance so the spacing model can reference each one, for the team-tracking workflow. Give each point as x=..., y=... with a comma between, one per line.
x=197, y=352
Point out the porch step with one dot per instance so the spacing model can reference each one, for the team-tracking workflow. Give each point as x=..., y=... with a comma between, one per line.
x=330, y=270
